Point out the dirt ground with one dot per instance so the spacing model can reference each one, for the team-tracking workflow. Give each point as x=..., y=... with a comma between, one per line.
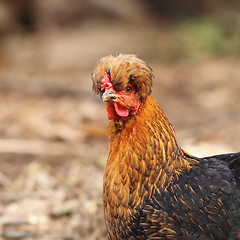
x=53, y=142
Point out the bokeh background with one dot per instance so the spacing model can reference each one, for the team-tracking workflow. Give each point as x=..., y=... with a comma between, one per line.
x=53, y=141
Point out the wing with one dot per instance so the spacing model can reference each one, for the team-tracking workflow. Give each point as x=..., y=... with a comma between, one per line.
x=233, y=161
x=203, y=203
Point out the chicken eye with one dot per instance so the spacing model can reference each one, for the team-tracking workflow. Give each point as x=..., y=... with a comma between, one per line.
x=128, y=90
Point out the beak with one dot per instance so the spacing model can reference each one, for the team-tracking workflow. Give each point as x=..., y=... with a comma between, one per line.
x=109, y=95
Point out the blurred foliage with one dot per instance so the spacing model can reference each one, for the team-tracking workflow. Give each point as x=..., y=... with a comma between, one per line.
x=211, y=35
x=205, y=36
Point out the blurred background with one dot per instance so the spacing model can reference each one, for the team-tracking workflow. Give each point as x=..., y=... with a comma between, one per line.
x=53, y=141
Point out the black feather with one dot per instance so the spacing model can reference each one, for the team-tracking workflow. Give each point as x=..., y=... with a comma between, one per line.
x=233, y=161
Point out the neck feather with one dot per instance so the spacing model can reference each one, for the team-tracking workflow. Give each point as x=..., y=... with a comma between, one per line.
x=147, y=136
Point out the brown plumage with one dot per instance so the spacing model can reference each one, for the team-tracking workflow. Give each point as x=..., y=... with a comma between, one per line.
x=152, y=188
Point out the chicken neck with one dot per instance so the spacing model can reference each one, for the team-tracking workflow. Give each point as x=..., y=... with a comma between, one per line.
x=143, y=154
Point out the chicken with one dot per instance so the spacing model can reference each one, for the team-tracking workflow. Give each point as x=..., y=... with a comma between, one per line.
x=153, y=189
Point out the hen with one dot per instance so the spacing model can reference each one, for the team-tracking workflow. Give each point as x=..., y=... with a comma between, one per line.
x=153, y=189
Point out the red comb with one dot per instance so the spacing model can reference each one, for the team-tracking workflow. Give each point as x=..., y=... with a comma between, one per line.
x=106, y=82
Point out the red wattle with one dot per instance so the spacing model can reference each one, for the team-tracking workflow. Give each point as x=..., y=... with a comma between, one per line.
x=111, y=112
x=120, y=110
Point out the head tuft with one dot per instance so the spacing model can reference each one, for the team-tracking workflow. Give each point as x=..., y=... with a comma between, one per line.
x=124, y=69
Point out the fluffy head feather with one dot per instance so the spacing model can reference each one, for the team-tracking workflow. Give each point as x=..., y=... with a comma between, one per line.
x=124, y=69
